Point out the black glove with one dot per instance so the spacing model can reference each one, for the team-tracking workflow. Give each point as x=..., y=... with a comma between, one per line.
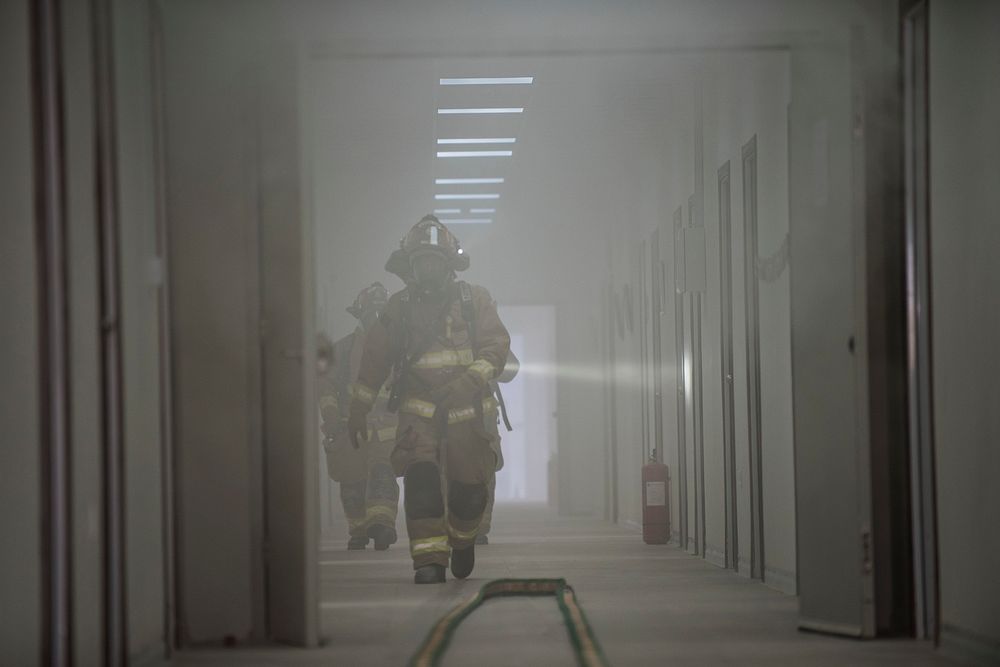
x=458, y=392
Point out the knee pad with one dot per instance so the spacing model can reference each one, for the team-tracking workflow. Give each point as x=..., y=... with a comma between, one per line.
x=423, y=491
x=466, y=501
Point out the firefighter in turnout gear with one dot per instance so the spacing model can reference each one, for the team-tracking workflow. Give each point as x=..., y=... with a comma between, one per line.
x=443, y=342
x=492, y=424
x=368, y=488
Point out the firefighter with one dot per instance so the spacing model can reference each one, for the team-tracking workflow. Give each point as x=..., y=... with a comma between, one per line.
x=492, y=422
x=368, y=488
x=443, y=342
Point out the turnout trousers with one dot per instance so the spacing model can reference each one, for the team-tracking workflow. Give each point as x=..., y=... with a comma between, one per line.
x=446, y=476
x=369, y=492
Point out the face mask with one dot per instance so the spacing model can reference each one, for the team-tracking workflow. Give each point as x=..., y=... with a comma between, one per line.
x=430, y=271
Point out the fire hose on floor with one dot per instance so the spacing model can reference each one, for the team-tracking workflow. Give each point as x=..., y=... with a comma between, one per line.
x=588, y=651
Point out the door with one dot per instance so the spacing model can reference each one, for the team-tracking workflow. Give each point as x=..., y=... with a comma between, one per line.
x=829, y=341
x=655, y=308
x=680, y=347
x=694, y=264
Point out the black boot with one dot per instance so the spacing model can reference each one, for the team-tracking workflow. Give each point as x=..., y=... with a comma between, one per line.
x=383, y=536
x=357, y=543
x=462, y=561
x=481, y=540
x=429, y=574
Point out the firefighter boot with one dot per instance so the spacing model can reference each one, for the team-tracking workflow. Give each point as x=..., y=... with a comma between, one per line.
x=429, y=574
x=462, y=561
x=383, y=536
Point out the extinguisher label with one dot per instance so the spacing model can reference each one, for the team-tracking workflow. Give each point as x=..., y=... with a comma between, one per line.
x=656, y=493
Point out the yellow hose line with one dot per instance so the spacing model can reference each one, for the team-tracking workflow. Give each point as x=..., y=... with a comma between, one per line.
x=585, y=646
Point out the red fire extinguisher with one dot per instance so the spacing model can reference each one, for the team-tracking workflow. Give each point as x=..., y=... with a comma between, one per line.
x=655, y=508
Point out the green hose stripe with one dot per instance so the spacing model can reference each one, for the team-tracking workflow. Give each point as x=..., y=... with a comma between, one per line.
x=585, y=646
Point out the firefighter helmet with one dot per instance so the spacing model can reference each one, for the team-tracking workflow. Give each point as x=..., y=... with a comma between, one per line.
x=374, y=296
x=428, y=235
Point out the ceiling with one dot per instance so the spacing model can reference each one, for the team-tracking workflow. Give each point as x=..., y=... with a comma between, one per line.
x=579, y=166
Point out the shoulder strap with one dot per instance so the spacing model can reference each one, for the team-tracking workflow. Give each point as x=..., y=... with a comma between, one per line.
x=468, y=311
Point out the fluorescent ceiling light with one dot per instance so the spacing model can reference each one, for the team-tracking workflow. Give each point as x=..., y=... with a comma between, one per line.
x=466, y=181
x=482, y=210
x=467, y=221
x=475, y=153
x=447, y=211
x=488, y=81
x=481, y=110
x=497, y=140
x=475, y=196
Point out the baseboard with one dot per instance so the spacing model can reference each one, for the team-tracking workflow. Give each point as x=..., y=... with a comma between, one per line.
x=629, y=523
x=715, y=556
x=826, y=628
x=152, y=656
x=781, y=580
x=971, y=646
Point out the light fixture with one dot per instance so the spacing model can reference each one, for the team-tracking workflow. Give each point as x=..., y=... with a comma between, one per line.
x=467, y=181
x=464, y=196
x=482, y=210
x=497, y=140
x=447, y=211
x=481, y=110
x=488, y=81
x=475, y=153
x=467, y=221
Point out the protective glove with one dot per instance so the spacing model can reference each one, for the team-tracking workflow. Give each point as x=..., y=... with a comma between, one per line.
x=458, y=392
x=357, y=422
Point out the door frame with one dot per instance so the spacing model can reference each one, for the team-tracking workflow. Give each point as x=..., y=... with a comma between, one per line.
x=727, y=366
x=919, y=367
x=751, y=287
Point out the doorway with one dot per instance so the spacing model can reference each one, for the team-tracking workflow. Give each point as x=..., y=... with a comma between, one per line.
x=529, y=450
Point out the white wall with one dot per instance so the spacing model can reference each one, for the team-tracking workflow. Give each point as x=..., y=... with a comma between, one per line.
x=141, y=374
x=965, y=246
x=746, y=95
x=735, y=96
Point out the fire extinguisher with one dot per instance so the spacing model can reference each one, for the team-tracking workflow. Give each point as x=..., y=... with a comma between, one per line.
x=655, y=495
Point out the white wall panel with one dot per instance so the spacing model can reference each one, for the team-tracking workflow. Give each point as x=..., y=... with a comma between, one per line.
x=20, y=559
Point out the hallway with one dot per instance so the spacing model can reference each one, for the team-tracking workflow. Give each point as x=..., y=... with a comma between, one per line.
x=647, y=605
x=724, y=269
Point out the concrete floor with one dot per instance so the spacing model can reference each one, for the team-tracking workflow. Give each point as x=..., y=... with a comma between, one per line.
x=648, y=605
